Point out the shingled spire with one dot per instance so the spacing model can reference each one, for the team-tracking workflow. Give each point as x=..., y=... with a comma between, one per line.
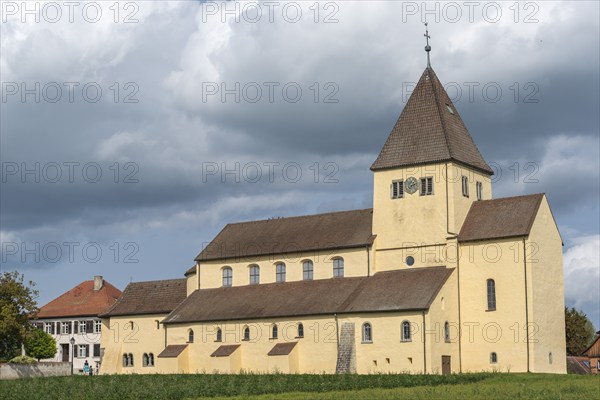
x=429, y=130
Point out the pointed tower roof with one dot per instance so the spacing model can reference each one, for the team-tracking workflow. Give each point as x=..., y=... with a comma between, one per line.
x=429, y=130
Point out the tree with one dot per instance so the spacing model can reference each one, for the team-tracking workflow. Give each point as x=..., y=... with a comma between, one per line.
x=579, y=331
x=39, y=344
x=17, y=306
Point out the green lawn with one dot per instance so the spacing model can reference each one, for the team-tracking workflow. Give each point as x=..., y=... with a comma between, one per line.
x=300, y=387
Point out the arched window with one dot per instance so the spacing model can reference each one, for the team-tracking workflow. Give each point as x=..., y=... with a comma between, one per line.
x=446, y=331
x=227, y=276
x=406, y=332
x=125, y=360
x=338, y=267
x=280, y=272
x=307, y=270
x=300, y=330
x=246, y=334
x=367, y=333
x=491, y=295
x=274, y=332
x=219, y=335
x=254, y=274
x=130, y=360
x=151, y=360
x=190, y=336
x=145, y=360
x=493, y=358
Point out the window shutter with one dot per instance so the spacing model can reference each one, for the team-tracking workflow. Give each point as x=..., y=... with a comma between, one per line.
x=52, y=328
x=75, y=326
x=87, y=350
x=89, y=326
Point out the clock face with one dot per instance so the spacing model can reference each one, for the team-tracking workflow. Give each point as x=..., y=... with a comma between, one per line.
x=411, y=185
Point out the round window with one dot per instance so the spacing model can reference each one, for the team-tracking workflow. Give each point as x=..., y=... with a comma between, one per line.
x=410, y=260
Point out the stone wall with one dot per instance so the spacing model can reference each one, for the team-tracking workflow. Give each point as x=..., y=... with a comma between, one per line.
x=18, y=371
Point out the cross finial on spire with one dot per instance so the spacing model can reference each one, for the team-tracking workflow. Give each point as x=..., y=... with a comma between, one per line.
x=427, y=47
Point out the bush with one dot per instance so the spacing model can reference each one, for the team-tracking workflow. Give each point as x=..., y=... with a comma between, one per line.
x=23, y=360
x=40, y=345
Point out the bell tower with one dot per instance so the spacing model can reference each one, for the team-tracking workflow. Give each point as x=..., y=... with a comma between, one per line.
x=426, y=176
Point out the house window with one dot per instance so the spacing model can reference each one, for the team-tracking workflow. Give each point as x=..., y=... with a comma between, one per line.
x=227, y=276
x=300, y=330
x=338, y=267
x=426, y=186
x=307, y=270
x=82, y=351
x=397, y=190
x=280, y=272
x=479, y=190
x=148, y=360
x=406, y=332
x=145, y=360
x=190, y=336
x=493, y=358
x=219, y=335
x=97, y=350
x=82, y=327
x=151, y=360
x=130, y=360
x=125, y=360
x=465, y=186
x=49, y=327
x=254, y=275
x=97, y=326
x=491, y=295
x=246, y=334
x=274, y=332
x=367, y=333
x=447, y=332
x=65, y=328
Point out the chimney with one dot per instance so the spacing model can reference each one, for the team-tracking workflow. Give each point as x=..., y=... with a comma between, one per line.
x=98, y=282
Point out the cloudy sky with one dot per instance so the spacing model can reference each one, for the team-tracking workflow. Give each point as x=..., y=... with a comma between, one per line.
x=131, y=134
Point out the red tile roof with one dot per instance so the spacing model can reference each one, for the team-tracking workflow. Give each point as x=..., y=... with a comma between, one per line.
x=80, y=301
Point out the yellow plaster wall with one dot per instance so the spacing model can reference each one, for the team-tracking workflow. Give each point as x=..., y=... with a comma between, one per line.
x=355, y=264
x=459, y=205
x=503, y=330
x=546, y=283
x=192, y=282
x=118, y=338
x=443, y=308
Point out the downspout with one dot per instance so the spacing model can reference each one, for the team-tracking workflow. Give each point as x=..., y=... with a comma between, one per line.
x=526, y=302
x=424, y=346
x=337, y=332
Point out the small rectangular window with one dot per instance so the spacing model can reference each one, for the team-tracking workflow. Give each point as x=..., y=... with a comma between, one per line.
x=82, y=327
x=397, y=189
x=479, y=189
x=465, y=186
x=82, y=351
x=426, y=186
x=97, y=326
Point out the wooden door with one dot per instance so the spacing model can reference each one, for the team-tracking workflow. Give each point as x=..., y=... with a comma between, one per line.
x=446, y=368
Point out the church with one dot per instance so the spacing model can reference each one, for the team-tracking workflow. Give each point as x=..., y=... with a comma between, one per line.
x=437, y=278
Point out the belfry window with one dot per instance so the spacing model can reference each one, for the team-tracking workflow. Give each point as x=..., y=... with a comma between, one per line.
x=426, y=186
x=397, y=190
x=465, y=186
x=479, y=190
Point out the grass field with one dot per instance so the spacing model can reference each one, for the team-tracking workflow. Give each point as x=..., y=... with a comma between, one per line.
x=300, y=387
